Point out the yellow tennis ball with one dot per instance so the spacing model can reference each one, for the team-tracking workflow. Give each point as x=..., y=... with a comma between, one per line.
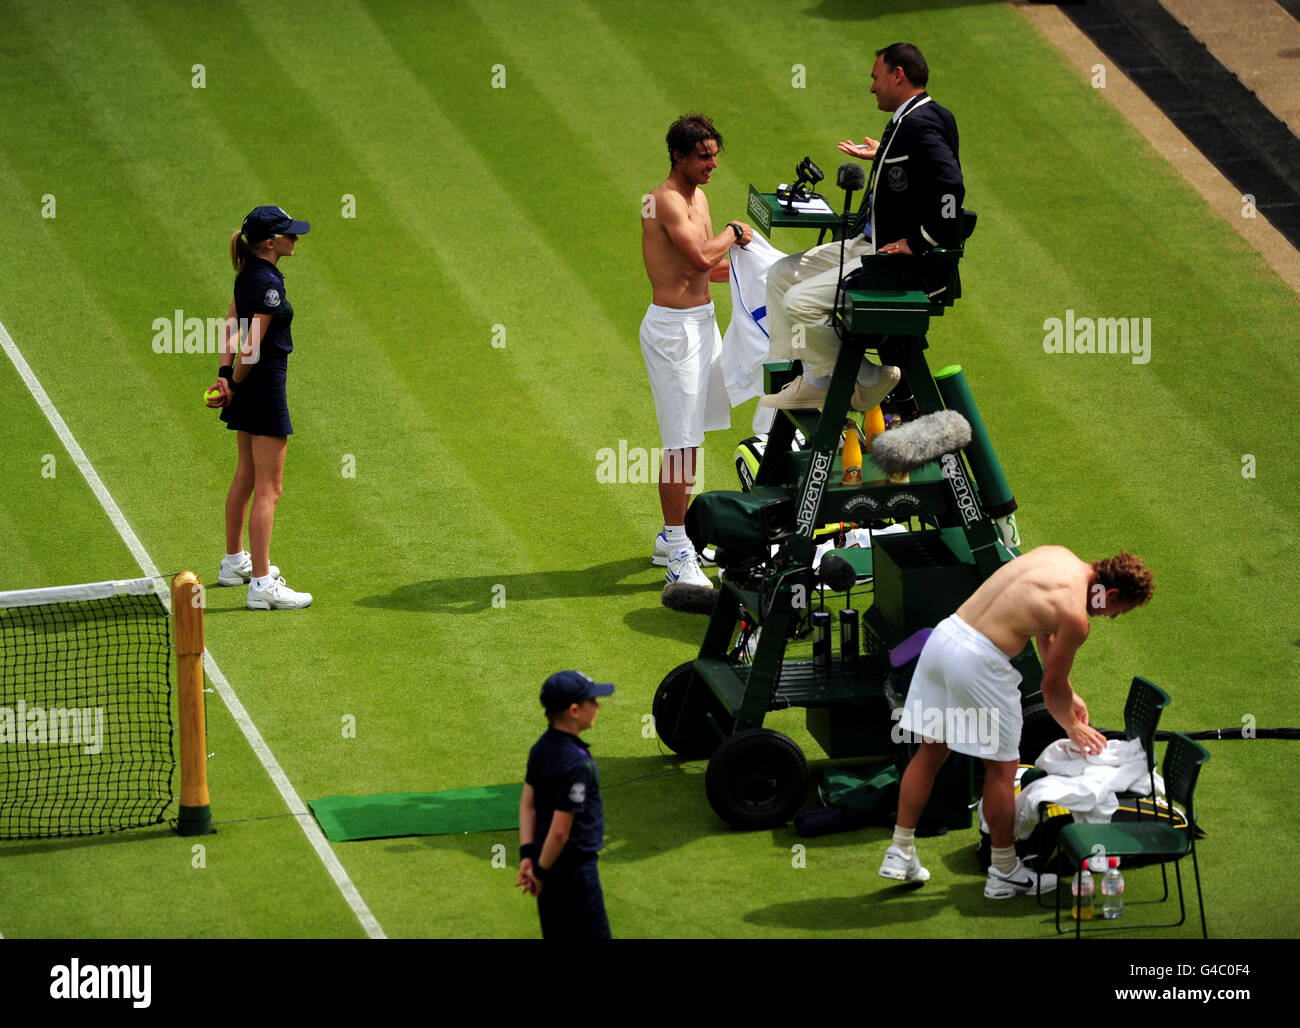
x=212, y=394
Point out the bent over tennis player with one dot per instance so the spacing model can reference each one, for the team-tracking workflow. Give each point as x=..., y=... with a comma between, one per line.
x=1048, y=595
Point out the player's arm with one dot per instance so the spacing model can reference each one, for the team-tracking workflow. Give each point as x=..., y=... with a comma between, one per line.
x=227, y=354
x=1059, y=696
x=251, y=351
x=556, y=839
x=701, y=254
x=527, y=829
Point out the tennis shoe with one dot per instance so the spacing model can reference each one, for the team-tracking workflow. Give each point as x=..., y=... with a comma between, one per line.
x=276, y=596
x=684, y=569
x=1020, y=881
x=799, y=394
x=240, y=570
x=901, y=868
x=867, y=398
x=663, y=553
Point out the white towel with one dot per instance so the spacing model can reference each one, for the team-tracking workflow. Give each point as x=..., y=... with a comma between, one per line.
x=745, y=344
x=1085, y=785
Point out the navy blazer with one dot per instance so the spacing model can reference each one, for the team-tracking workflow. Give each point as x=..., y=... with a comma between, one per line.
x=917, y=189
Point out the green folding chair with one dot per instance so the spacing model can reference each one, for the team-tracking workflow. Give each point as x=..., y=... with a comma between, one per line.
x=1141, y=717
x=1159, y=841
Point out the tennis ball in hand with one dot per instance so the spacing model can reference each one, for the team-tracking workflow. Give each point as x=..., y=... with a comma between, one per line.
x=212, y=394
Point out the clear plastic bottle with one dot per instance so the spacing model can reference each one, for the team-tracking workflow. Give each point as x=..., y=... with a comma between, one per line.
x=1112, y=891
x=1082, y=894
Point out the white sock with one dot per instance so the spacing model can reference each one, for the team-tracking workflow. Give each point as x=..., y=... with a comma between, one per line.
x=819, y=382
x=235, y=558
x=676, y=535
x=868, y=374
x=905, y=840
x=1004, y=858
x=262, y=583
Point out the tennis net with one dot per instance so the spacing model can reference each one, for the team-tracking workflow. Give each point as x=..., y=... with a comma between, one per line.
x=85, y=709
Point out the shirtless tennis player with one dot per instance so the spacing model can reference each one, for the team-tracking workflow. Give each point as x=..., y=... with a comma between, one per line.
x=679, y=334
x=1047, y=595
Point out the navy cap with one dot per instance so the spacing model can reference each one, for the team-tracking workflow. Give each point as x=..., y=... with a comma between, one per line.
x=264, y=222
x=567, y=687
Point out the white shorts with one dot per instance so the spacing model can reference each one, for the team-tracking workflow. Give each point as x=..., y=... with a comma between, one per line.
x=965, y=694
x=683, y=356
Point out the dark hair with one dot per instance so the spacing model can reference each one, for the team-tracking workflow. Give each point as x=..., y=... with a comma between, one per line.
x=687, y=132
x=910, y=59
x=1128, y=574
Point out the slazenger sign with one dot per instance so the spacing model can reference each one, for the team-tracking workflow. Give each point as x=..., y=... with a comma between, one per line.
x=759, y=212
x=961, y=491
x=818, y=473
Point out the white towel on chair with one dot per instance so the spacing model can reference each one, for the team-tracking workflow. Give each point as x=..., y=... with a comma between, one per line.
x=1085, y=785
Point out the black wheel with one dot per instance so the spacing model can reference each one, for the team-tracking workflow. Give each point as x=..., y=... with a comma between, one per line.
x=757, y=778
x=681, y=708
x=1038, y=731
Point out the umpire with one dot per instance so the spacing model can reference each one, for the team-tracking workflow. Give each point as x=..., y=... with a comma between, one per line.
x=561, y=823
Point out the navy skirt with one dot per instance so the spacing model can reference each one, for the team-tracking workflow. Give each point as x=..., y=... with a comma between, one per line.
x=260, y=405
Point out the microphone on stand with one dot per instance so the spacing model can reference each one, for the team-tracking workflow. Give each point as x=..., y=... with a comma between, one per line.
x=849, y=177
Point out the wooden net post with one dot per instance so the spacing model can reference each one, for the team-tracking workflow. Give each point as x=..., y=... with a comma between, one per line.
x=187, y=615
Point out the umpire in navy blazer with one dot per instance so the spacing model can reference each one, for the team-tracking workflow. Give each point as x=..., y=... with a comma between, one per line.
x=915, y=193
x=913, y=204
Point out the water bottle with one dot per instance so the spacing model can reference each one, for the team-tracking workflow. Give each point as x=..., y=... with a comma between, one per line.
x=1081, y=888
x=1112, y=891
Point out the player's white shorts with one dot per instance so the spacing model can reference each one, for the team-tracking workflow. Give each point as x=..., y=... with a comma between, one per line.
x=965, y=694
x=683, y=356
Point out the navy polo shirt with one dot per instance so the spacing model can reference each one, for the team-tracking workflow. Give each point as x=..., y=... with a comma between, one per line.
x=259, y=289
x=564, y=777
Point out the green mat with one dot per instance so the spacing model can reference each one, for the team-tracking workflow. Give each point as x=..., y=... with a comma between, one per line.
x=488, y=808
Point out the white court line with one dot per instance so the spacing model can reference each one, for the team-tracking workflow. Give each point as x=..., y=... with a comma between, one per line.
x=290, y=795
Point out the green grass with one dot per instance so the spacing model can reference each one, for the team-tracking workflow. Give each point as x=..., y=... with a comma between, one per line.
x=475, y=465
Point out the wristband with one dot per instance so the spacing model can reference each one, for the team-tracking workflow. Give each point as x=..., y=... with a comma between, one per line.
x=227, y=372
x=736, y=229
x=539, y=872
x=528, y=851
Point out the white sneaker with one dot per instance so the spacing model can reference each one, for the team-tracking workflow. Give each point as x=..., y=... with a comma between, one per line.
x=240, y=570
x=1019, y=882
x=901, y=868
x=663, y=553
x=276, y=596
x=684, y=569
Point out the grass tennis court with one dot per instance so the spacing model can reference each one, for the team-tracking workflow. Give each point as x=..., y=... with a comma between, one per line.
x=467, y=308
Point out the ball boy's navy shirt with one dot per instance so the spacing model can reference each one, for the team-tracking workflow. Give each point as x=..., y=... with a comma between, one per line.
x=564, y=777
x=259, y=289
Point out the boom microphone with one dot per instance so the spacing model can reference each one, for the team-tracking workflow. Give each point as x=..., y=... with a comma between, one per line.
x=849, y=177
x=921, y=441
x=690, y=599
x=837, y=573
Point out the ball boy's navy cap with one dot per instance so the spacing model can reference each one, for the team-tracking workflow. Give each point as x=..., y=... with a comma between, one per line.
x=264, y=222
x=567, y=687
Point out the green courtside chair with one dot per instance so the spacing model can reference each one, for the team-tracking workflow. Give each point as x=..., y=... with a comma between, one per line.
x=1159, y=840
